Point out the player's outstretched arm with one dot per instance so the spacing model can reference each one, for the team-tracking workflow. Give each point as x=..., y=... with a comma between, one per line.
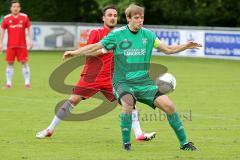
x=1, y=38
x=178, y=48
x=30, y=37
x=88, y=50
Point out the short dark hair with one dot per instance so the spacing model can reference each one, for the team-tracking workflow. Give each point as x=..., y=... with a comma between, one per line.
x=108, y=7
x=14, y=1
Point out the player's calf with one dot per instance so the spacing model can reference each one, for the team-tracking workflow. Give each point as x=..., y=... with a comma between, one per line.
x=164, y=103
x=26, y=75
x=9, y=76
x=127, y=103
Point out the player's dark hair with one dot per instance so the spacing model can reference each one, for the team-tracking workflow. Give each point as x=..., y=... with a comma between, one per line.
x=108, y=7
x=14, y=1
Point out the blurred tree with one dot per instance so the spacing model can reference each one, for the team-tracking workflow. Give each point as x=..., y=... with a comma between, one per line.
x=88, y=11
x=218, y=12
x=193, y=12
x=121, y=5
x=58, y=11
x=164, y=12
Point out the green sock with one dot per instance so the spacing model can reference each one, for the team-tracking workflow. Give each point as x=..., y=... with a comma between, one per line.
x=126, y=125
x=175, y=122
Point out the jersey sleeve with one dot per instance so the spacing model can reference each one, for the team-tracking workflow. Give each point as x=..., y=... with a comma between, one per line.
x=4, y=25
x=28, y=23
x=109, y=42
x=93, y=37
x=157, y=42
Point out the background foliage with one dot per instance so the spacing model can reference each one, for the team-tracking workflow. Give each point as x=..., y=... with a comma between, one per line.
x=159, y=12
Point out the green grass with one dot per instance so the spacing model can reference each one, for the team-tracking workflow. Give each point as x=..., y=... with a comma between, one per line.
x=209, y=88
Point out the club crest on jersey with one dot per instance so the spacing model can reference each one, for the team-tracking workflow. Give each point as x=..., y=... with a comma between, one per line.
x=144, y=40
x=10, y=21
x=20, y=21
x=125, y=44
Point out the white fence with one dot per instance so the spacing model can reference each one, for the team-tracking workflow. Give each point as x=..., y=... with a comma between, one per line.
x=217, y=42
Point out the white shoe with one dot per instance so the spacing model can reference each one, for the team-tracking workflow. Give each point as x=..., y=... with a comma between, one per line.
x=44, y=133
x=146, y=136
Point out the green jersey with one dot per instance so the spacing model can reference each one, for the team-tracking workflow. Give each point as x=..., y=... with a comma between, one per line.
x=132, y=52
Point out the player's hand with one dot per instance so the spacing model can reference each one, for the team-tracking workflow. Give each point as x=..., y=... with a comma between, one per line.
x=1, y=48
x=67, y=54
x=193, y=45
x=30, y=45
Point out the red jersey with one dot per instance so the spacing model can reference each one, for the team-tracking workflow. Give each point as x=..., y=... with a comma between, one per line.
x=102, y=65
x=16, y=27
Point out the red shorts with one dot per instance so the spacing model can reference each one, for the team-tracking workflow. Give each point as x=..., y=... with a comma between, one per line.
x=87, y=89
x=20, y=53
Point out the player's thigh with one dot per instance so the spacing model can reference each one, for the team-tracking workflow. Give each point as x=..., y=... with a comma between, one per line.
x=125, y=96
x=121, y=89
x=146, y=92
x=107, y=91
x=164, y=103
x=85, y=89
x=105, y=85
x=10, y=55
x=22, y=55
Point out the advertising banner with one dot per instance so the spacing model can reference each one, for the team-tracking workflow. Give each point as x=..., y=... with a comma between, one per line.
x=222, y=44
x=216, y=43
x=53, y=37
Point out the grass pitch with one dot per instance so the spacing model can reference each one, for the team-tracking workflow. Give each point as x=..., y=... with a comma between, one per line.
x=207, y=97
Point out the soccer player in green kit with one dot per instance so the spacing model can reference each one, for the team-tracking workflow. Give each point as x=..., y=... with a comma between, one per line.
x=132, y=46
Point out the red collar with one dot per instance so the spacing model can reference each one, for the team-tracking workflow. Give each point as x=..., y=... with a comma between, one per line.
x=106, y=28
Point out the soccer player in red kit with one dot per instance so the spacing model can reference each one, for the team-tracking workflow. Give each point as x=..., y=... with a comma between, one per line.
x=16, y=24
x=96, y=76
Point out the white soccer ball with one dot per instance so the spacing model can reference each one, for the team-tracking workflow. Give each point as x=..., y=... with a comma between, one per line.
x=166, y=83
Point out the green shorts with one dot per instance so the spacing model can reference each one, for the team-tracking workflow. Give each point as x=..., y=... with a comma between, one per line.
x=144, y=91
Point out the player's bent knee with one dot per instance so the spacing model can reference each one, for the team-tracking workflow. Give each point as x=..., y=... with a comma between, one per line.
x=10, y=64
x=169, y=108
x=164, y=103
x=24, y=64
x=127, y=109
x=127, y=100
x=75, y=99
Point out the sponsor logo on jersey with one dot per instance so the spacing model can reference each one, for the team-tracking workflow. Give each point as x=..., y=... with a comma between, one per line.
x=135, y=52
x=16, y=26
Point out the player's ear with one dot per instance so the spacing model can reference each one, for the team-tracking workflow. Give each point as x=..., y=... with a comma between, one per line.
x=128, y=19
x=103, y=18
